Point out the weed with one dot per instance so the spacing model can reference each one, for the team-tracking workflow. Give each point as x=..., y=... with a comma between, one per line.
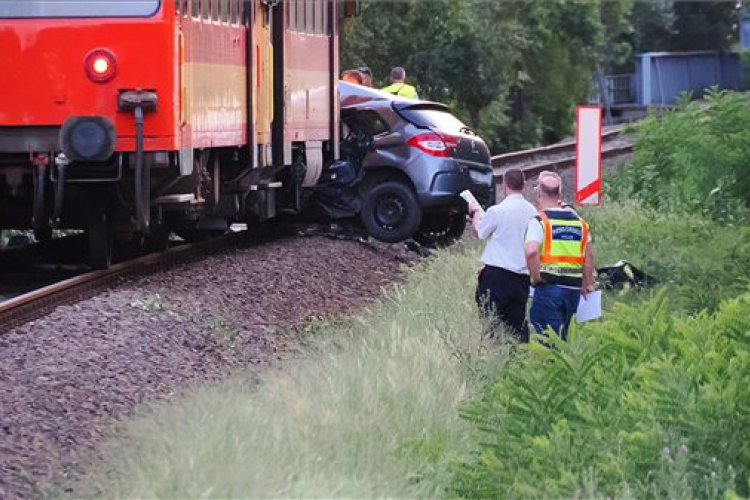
x=150, y=303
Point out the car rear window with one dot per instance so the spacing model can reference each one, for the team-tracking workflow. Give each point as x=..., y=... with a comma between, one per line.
x=433, y=119
x=77, y=8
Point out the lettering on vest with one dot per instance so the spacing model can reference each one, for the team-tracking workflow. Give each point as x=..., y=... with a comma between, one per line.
x=567, y=233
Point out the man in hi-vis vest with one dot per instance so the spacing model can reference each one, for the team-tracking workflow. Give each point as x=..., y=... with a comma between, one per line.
x=399, y=86
x=560, y=260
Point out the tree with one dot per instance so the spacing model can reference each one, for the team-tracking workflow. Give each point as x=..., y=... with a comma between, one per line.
x=512, y=70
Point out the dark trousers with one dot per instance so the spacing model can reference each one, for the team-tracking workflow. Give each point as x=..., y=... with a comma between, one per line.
x=553, y=307
x=502, y=295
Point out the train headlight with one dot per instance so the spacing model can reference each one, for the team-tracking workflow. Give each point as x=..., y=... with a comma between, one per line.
x=100, y=65
x=88, y=138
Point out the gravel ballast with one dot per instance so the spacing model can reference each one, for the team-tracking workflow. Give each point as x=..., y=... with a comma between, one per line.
x=67, y=378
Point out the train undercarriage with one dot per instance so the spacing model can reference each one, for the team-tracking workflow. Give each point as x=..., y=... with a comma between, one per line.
x=43, y=192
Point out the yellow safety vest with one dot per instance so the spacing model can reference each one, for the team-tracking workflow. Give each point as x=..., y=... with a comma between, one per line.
x=564, y=247
x=402, y=89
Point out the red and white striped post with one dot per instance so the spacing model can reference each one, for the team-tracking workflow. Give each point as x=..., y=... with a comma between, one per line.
x=588, y=155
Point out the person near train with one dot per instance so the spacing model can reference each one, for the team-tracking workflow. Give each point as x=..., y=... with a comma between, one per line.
x=399, y=86
x=560, y=259
x=366, y=73
x=503, y=283
x=353, y=76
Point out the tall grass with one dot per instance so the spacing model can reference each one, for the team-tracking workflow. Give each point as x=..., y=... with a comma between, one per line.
x=371, y=407
x=700, y=261
x=370, y=411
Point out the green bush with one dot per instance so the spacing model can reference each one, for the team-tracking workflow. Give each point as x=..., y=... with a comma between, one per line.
x=644, y=405
x=695, y=159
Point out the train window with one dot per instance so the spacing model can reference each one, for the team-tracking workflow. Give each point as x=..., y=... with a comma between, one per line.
x=224, y=11
x=214, y=10
x=299, y=24
x=309, y=17
x=319, y=16
x=323, y=16
x=205, y=9
x=90, y=8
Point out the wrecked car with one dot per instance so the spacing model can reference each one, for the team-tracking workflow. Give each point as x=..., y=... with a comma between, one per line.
x=411, y=160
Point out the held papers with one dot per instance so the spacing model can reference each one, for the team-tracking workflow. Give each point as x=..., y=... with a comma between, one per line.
x=590, y=307
x=469, y=198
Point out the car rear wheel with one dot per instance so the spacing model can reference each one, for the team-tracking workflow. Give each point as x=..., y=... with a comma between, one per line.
x=390, y=212
x=441, y=229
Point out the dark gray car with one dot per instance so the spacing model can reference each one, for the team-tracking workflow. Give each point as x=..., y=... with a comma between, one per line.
x=416, y=158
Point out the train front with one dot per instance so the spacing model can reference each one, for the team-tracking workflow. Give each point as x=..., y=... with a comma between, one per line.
x=87, y=92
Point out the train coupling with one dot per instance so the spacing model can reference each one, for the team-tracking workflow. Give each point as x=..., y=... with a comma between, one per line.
x=140, y=101
x=129, y=100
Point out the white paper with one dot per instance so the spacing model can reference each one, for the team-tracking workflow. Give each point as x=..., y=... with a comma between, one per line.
x=589, y=308
x=469, y=198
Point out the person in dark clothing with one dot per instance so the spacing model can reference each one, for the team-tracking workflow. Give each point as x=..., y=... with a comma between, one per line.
x=503, y=288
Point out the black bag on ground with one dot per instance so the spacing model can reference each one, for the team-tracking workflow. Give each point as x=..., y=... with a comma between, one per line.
x=623, y=275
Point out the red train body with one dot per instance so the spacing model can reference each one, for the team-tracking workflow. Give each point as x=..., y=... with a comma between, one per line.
x=136, y=118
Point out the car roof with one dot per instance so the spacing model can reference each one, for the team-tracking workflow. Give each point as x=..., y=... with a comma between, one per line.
x=356, y=96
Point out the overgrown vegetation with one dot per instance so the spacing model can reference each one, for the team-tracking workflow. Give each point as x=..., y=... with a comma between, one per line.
x=373, y=408
x=699, y=261
x=645, y=405
x=512, y=70
x=694, y=159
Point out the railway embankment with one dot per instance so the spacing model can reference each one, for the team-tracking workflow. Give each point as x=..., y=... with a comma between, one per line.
x=407, y=399
x=66, y=378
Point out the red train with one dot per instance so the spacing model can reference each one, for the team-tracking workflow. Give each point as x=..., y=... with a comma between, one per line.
x=134, y=118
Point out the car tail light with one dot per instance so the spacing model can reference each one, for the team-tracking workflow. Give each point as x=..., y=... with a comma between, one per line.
x=440, y=145
x=100, y=65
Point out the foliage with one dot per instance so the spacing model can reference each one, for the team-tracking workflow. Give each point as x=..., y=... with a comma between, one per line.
x=700, y=261
x=675, y=25
x=368, y=409
x=645, y=405
x=693, y=159
x=512, y=70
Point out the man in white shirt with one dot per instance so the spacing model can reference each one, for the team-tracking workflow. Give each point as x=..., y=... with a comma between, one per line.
x=503, y=288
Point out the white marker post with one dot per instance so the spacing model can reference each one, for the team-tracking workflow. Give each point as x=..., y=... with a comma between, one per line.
x=588, y=155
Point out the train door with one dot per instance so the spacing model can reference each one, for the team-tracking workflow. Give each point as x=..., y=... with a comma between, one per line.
x=183, y=76
x=263, y=79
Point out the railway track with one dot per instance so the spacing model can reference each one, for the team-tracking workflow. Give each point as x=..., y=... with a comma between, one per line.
x=39, y=302
x=558, y=156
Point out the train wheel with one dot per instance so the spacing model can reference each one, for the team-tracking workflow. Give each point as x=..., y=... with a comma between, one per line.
x=101, y=239
x=157, y=239
x=43, y=234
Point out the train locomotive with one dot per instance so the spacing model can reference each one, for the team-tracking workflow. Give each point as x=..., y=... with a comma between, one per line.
x=132, y=119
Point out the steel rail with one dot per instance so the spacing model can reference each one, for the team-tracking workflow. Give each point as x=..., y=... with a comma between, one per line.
x=40, y=302
x=507, y=159
x=556, y=164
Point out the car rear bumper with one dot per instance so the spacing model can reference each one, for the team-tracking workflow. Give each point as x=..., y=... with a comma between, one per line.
x=445, y=186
